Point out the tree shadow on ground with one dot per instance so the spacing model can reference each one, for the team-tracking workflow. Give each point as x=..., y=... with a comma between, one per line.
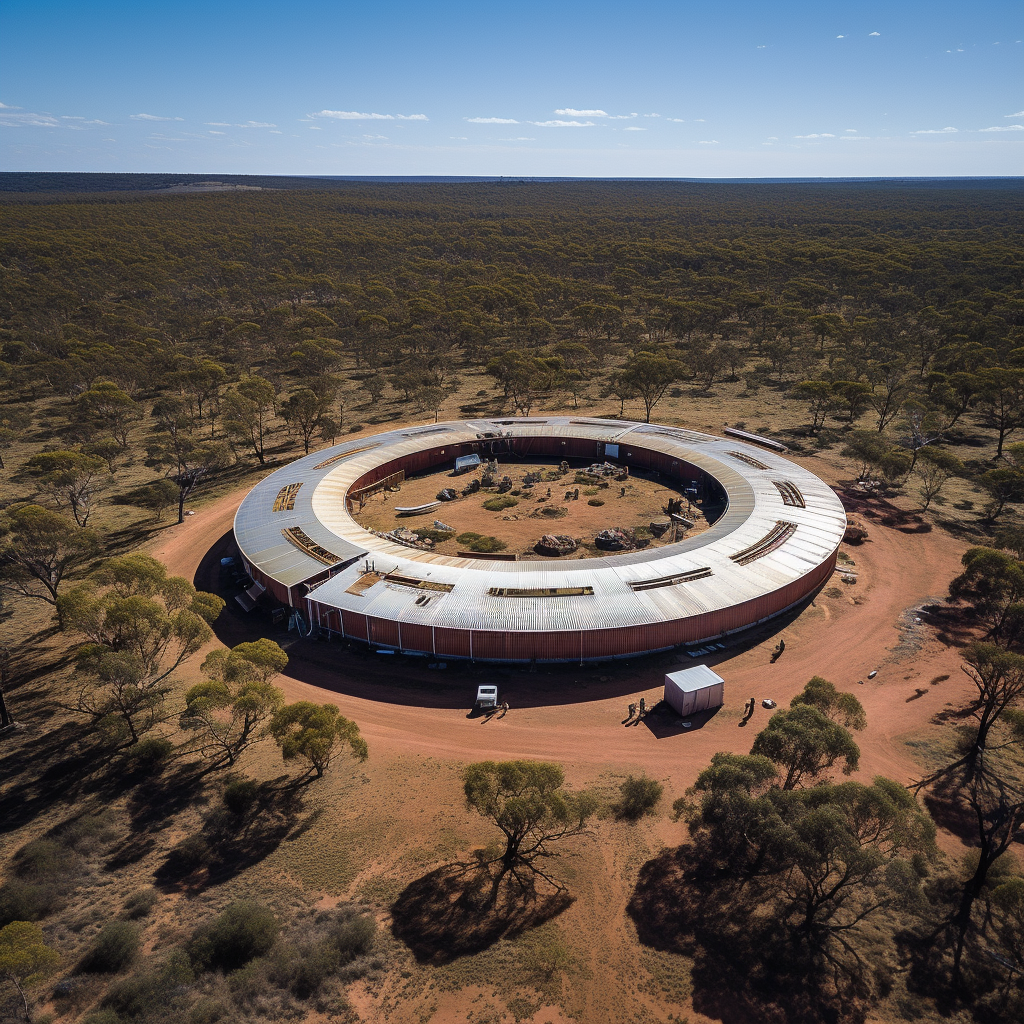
x=449, y=913
x=746, y=969
x=232, y=841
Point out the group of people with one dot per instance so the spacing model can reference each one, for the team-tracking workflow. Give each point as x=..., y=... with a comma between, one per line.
x=635, y=714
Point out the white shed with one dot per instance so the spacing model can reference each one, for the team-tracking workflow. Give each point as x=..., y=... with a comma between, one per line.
x=694, y=689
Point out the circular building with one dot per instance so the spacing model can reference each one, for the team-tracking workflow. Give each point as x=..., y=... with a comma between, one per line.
x=772, y=547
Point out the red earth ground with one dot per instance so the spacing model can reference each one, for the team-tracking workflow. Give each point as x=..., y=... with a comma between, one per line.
x=411, y=716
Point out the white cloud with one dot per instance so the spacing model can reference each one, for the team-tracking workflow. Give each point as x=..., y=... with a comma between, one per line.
x=563, y=124
x=634, y=128
x=762, y=47
x=935, y=131
x=153, y=117
x=7, y=106
x=678, y=120
x=30, y=121
x=854, y=130
x=217, y=124
x=708, y=142
x=315, y=128
x=275, y=133
x=1004, y=128
x=816, y=135
x=623, y=117
x=374, y=136
x=573, y=112
x=520, y=138
x=652, y=115
x=840, y=37
x=1020, y=113
x=773, y=138
x=854, y=138
x=454, y=138
x=257, y=124
x=698, y=120
x=355, y=115
x=491, y=120
x=874, y=33
x=212, y=132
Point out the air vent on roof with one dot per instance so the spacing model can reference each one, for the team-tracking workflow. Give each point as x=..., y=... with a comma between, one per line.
x=790, y=494
x=670, y=581
x=540, y=591
x=775, y=538
x=418, y=584
x=344, y=455
x=748, y=459
x=285, y=500
x=305, y=543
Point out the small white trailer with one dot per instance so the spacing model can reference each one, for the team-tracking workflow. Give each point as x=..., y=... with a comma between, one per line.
x=694, y=689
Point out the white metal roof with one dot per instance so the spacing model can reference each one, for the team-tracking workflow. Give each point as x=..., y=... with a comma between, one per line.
x=696, y=678
x=755, y=505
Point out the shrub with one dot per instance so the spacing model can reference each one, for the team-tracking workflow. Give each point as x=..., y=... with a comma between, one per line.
x=28, y=901
x=437, y=536
x=303, y=967
x=477, y=542
x=136, y=996
x=150, y=753
x=244, y=931
x=102, y=1017
x=500, y=503
x=240, y=795
x=42, y=858
x=638, y=796
x=115, y=948
x=189, y=855
x=139, y=904
x=355, y=428
x=353, y=935
x=596, y=502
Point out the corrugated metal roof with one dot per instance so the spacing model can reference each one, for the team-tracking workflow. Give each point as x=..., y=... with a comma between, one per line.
x=755, y=505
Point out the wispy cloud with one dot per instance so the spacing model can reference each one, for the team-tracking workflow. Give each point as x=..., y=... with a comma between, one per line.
x=217, y=124
x=14, y=117
x=7, y=106
x=816, y=135
x=355, y=115
x=1004, y=128
x=153, y=117
x=935, y=131
x=563, y=124
x=257, y=124
x=519, y=138
x=840, y=37
x=491, y=120
x=1020, y=113
x=851, y=130
x=634, y=128
x=573, y=112
x=854, y=138
x=708, y=142
x=874, y=33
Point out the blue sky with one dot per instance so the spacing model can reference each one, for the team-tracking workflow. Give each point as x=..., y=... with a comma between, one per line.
x=559, y=88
